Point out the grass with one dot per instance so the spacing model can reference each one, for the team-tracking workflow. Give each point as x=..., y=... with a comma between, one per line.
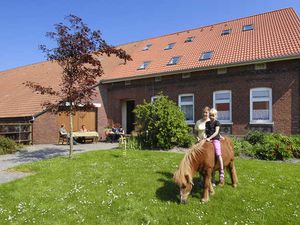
x=104, y=187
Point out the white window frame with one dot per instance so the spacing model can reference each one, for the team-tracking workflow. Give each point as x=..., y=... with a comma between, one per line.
x=204, y=55
x=187, y=103
x=170, y=46
x=215, y=102
x=153, y=98
x=269, y=99
x=147, y=47
x=144, y=65
x=171, y=62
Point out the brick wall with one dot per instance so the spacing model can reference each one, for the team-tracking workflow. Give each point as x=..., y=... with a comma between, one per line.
x=282, y=77
x=45, y=129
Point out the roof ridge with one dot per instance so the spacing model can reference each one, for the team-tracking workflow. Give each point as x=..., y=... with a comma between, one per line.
x=24, y=66
x=164, y=35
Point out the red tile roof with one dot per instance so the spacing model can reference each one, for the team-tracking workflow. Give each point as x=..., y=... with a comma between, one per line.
x=275, y=35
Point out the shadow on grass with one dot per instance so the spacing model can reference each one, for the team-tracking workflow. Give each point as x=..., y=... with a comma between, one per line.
x=170, y=191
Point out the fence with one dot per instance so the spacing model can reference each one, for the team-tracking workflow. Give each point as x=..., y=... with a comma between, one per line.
x=19, y=132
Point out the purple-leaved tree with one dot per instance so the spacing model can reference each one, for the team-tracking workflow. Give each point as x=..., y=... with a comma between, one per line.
x=77, y=52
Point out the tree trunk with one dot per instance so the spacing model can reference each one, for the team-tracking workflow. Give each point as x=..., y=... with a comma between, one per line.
x=71, y=131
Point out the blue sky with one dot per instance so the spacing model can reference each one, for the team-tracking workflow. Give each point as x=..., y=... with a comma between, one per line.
x=24, y=23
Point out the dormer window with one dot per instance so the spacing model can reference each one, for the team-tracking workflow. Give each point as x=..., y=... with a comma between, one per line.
x=144, y=65
x=147, y=47
x=174, y=60
x=189, y=39
x=248, y=27
x=206, y=55
x=170, y=46
x=226, y=32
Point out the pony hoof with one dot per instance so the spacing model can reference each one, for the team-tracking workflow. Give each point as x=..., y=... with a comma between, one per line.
x=212, y=192
x=234, y=185
x=204, y=200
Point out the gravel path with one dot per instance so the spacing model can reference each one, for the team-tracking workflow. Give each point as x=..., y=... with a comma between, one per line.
x=40, y=152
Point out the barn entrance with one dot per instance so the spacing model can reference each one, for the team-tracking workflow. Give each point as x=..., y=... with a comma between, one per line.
x=87, y=118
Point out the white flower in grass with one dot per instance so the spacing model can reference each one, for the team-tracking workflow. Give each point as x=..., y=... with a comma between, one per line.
x=10, y=218
x=128, y=193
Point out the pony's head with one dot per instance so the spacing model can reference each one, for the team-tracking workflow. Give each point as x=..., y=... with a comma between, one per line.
x=185, y=183
x=184, y=175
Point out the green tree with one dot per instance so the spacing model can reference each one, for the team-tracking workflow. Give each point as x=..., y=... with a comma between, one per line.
x=161, y=124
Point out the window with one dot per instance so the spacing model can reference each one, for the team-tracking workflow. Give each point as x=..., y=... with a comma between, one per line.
x=260, y=105
x=186, y=75
x=189, y=39
x=170, y=46
x=248, y=27
x=222, y=103
x=174, y=60
x=226, y=32
x=147, y=47
x=222, y=70
x=127, y=82
x=206, y=55
x=157, y=79
x=186, y=104
x=144, y=65
x=260, y=66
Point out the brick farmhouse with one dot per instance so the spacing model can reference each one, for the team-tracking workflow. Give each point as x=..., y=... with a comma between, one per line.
x=248, y=68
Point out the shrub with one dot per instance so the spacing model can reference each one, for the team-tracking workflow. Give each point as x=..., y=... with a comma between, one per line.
x=242, y=147
x=254, y=137
x=270, y=146
x=295, y=146
x=8, y=146
x=161, y=124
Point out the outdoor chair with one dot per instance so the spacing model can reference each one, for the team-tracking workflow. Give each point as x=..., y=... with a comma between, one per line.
x=62, y=138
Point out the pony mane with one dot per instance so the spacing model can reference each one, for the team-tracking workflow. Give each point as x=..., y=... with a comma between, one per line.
x=185, y=167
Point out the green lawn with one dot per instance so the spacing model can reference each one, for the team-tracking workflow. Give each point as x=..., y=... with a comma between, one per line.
x=104, y=187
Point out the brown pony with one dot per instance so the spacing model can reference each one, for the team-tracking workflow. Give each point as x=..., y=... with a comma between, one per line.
x=201, y=157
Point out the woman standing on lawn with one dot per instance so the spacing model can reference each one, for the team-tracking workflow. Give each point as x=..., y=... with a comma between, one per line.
x=200, y=124
x=201, y=135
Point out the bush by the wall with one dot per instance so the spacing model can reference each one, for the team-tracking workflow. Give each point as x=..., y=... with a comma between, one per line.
x=243, y=148
x=254, y=137
x=273, y=146
x=161, y=124
x=295, y=145
x=268, y=146
x=7, y=146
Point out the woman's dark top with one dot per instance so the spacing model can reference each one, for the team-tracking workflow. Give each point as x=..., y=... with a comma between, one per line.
x=210, y=129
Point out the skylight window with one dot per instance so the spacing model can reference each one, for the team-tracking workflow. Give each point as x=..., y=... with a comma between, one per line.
x=226, y=32
x=174, y=60
x=189, y=39
x=206, y=55
x=144, y=65
x=147, y=47
x=248, y=27
x=170, y=46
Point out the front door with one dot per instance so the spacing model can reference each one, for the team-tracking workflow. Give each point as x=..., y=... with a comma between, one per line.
x=128, y=118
